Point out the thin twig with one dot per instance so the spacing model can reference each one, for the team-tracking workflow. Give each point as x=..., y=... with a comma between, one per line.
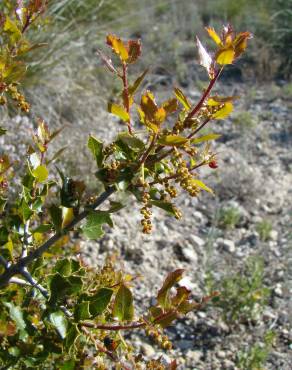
x=113, y=327
x=126, y=95
x=17, y=268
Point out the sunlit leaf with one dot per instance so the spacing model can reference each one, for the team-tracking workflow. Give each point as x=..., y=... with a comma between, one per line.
x=60, y=323
x=224, y=111
x=41, y=173
x=182, y=98
x=100, y=301
x=2, y=131
x=225, y=56
x=213, y=34
x=119, y=111
x=172, y=140
x=205, y=138
x=123, y=307
x=67, y=216
x=16, y=315
x=94, y=221
x=201, y=185
x=170, y=281
x=118, y=47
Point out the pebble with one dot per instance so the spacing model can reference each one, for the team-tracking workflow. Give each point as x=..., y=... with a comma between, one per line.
x=147, y=350
x=227, y=245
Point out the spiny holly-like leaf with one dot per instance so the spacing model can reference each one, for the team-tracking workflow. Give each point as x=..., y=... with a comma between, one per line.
x=213, y=34
x=94, y=221
x=172, y=140
x=201, y=185
x=224, y=111
x=134, y=51
x=205, y=59
x=100, y=301
x=60, y=323
x=182, y=98
x=123, y=307
x=118, y=47
x=56, y=216
x=169, y=282
x=67, y=216
x=208, y=137
x=119, y=111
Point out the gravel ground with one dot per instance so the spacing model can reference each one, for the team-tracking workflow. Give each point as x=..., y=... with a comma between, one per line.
x=254, y=178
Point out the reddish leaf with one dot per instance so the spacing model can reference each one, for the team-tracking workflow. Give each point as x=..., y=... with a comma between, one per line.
x=169, y=282
x=134, y=50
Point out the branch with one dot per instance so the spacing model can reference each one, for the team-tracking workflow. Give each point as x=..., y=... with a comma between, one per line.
x=17, y=268
x=113, y=327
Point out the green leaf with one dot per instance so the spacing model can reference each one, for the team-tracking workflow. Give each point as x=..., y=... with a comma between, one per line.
x=81, y=311
x=167, y=319
x=203, y=186
x=42, y=228
x=166, y=206
x=41, y=173
x=60, y=323
x=68, y=365
x=63, y=267
x=96, y=146
x=72, y=336
x=60, y=286
x=133, y=88
x=123, y=307
x=132, y=141
x=205, y=138
x=182, y=98
x=56, y=216
x=16, y=315
x=2, y=131
x=172, y=140
x=170, y=281
x=94, y=221
x=119, y=111
x=100, y=301
x=26, y=211
x=3, y=235
x=115, y=207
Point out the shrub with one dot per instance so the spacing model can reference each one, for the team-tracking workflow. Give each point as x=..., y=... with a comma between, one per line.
x=56, y=311
x=243, y=295
x=264, y=229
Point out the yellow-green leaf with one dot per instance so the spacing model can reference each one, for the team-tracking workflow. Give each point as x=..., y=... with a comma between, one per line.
x=182, y=98
x=67, y=216
x=224, y=111
x=40, y=173
x=119, y=111
x=201, y=185
x=213, y=34
x=172, y=140
x=225, y=56
x=123, y=307
x=205, y=138
x=118, y=47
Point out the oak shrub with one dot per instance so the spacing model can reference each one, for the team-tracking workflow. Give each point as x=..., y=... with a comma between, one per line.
x=56, y=311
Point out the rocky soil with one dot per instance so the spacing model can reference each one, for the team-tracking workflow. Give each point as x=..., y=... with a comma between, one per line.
x=254, y=178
